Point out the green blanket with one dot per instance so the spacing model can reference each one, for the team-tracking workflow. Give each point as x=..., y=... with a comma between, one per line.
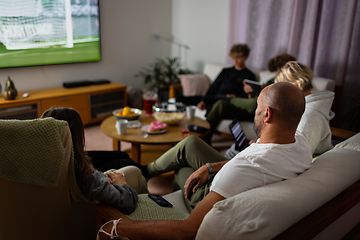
x=33, y=151
x=147, y=209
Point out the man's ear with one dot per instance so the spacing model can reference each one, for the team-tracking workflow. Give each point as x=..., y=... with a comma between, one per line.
x=268, y=115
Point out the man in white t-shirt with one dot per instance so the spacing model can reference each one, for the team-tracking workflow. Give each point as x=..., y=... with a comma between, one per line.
x=277, y=155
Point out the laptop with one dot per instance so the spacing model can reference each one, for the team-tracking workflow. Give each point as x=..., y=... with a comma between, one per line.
x=239, y=136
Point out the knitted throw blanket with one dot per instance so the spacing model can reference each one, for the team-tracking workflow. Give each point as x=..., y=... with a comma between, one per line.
x=33, y=151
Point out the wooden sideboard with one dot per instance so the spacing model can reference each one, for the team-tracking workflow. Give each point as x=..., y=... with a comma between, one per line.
x=94, y=103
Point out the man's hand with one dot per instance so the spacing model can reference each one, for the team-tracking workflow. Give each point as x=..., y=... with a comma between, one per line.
x=196, y=180
x=117, y=178
x=201, y=105
x=230, y=95
x=247, y=88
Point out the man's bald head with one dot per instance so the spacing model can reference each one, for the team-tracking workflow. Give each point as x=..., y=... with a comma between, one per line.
x=280, y=107
x=287, y=102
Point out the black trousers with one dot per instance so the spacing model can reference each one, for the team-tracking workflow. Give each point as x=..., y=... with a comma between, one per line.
x=106, y=160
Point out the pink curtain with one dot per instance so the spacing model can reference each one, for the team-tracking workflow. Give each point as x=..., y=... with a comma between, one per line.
x=323, y=34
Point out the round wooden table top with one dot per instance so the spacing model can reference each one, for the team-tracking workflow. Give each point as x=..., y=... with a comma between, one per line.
x=136, y=135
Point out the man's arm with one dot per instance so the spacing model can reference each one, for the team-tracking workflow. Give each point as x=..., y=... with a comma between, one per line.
x=181, y=229
x=200, y=177
x=218, y=165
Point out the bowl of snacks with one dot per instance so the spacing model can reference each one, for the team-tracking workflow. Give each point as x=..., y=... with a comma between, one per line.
x=127, y=113
x=169, y=113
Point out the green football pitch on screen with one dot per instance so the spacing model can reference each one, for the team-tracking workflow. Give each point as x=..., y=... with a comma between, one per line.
x=80, y=52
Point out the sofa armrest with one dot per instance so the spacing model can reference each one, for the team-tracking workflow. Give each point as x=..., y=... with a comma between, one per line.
x=342, y=133
x=105, y=213
x=318, y=220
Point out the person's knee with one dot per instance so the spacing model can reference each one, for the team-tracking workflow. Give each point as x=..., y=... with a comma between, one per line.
x=219, y=104
x=218, y=107
x=135, y=178
x=191, y=141
x=131, y=170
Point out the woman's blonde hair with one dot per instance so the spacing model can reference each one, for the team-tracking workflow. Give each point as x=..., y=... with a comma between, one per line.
x=296, y=73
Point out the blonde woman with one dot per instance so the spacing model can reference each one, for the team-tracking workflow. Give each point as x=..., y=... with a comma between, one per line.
x=314, y=124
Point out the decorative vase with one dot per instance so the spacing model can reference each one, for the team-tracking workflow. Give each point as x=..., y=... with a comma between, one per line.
x=10, y=91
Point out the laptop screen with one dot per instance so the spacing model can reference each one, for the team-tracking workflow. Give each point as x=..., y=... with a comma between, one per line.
x=239, y=136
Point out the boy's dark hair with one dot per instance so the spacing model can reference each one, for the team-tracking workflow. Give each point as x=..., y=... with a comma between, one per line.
x=279, y=61
x=240, y=48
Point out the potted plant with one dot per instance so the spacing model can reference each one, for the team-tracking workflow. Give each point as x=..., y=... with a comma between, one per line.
x=162, y=76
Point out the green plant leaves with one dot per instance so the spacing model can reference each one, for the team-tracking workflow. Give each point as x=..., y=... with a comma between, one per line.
x=161, y=74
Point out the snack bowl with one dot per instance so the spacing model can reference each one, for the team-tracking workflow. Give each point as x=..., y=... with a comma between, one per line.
x=169, y=113
x=134, y=114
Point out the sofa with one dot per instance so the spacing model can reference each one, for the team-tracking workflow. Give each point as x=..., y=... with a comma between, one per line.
x=321, y=203
x=39, y=194
x=211, y=71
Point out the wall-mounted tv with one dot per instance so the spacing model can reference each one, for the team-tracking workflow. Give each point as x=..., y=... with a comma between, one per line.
x=42, y=32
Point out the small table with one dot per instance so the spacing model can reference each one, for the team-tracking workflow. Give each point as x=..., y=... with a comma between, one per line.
x=136, y=137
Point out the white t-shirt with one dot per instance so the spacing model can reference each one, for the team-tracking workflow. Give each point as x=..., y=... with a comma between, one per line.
x=261, y=164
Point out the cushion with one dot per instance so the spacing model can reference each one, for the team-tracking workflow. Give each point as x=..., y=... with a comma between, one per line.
x=212, y=70
x=194, y=84
x=177, y=200
x=322, y=84
x=265, y=212
x=265, y=76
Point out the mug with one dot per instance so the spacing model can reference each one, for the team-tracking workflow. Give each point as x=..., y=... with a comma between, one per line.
x=190, y=111
x=121, y=126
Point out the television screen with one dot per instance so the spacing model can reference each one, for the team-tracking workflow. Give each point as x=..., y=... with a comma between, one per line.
x=41, y=32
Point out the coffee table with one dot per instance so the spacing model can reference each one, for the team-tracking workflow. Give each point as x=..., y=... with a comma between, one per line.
x=137, y=137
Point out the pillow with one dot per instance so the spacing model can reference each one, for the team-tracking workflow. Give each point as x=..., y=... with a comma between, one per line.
x=266, y=76
x=212, y=70
x=194, y=84
x=322, y=84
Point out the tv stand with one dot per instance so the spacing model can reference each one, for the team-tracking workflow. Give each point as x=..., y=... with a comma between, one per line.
x=94, y=103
